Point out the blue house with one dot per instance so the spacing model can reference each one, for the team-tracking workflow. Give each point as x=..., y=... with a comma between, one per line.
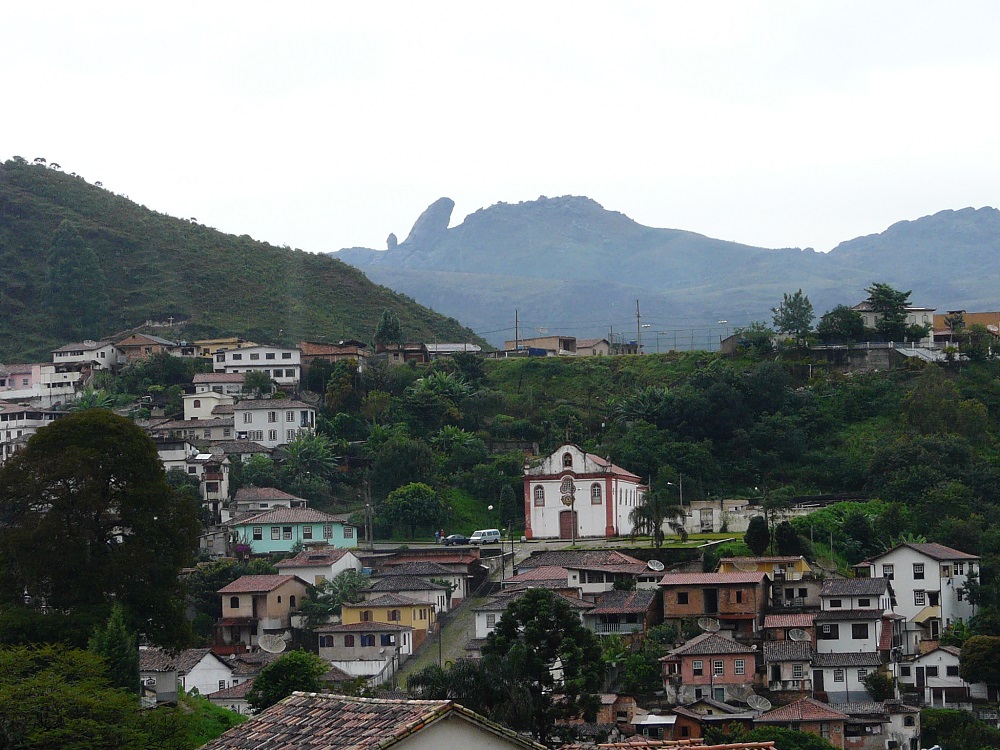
x=281, y=529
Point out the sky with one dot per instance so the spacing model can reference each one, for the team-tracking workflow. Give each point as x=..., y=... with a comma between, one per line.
x=330, y=125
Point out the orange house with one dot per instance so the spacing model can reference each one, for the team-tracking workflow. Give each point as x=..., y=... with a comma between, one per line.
x=736, y=600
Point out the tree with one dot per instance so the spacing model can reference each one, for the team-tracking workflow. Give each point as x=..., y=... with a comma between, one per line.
x=978, y=343
x=90, y=398
x=413, y=505
x=116, y=645
x=783, y=739
x=87, y=518
x=787, y=539
x=76, y=295
x=794, y=315
x=328, y=597
x=889, y=306
x=296, y=670
x=310, y=453
x=659, y=508
x=543, y=635
x=881, y=686
x=980, y=660
x=842, y=324
x=758, y=535
x=756, y=338
x=388, y=330
x=257, y=383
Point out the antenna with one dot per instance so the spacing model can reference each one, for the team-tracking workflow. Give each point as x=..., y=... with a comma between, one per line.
x=744, y=566
x=655, y=565
x=273, y=644
x=759, y=703
x=798, y=635
x=709, y=624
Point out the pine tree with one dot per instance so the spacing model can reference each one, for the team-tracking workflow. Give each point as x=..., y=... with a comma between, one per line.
x=116, y=645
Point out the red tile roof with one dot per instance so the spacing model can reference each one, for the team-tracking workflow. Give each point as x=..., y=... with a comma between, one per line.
x=708, y=579
x=756, y=560
x=234, y=692
x=542, y=573
x=388, y=600
x=255, y=584
x=218, y=377
x=290, y=515
x=315, y=721
x=790, y=621
x=710, y=643
x=364, y=627
x=805, y=709
x=623, y=602
x=311, y=558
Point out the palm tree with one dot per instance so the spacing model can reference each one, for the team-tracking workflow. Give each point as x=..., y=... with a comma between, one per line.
x=311, y=453
x=660, y=508
x=90, y=398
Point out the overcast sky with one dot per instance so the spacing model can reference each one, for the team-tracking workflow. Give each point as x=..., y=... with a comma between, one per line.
x=329, y=125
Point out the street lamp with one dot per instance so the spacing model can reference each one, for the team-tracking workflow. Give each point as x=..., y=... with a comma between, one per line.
x=503, y=570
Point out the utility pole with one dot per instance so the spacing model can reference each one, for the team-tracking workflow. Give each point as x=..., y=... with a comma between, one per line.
x=517, y=344
x=638, y=330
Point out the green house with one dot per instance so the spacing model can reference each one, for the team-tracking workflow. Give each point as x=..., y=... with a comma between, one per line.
x=281, y=529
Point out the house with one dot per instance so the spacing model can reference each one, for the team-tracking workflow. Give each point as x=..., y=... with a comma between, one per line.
x=254, y=606
x=272, y=422
x=317, y=565
x=194, y=670
x=489, y=614
x=212, y=472
x=43, y=384
x=402, y=354
x=808, y=715
x=545, y=576
x=736, y=600
x=779, y=627
x=840, y=676
x=623, y=613
x=363, y=649
x=787, y=666
x=874, y=726
x=227, y=383
x=915, y=316
x=440, y=351
x=283, y=366
x=202, y=405
x=931, y=582
x=411, y=587
x=694, y=717
x=594, y=577
x=202, y=430
x=572, y=493
x=158, y=676
x=709, y=665
x=281, y=529
x=793, y=583
x=715, y=515
x=342, y=351
x=456, y=580
x=208, y=348
x=253, y=499
x=18, y=423
x=94, y=355
x=316, y=721
x=244, y=450
x=234, y=697
x=553, y=346
x=857, y=616
x=593, y=347
x=395, y=610
x=934, y=678
x=138, y=346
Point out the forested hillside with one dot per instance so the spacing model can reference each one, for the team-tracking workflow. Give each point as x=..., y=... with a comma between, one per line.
x=77, y=261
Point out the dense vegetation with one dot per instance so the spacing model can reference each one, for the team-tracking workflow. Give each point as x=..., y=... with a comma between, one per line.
x=79, y=261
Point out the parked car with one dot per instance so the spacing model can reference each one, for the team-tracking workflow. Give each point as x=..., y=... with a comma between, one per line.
x=455, y=539
x=485, y=536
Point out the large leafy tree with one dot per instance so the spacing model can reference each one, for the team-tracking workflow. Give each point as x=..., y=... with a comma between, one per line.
x=296, y=670
x=889, y=306
x=116, y=645
x=794, y=315
x=758, y=535
x=842, y=324
x=980, y=660
x=413, y=505
x=555, y=654
x=328, y=597
x=87, y=518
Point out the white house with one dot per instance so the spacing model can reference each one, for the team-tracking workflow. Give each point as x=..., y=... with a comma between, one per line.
x=317, y=565
x=200, y=405
x=42, y=384
x=429, y=570
x=931, y=584
x=412, y=587
x=934, y=676
x=372, y=642
x=202, y=670
x=284, y=366
x=210, y=430
x=229, y=383
x=18, y=423
x=489, y=614
x=97, y=355
x=840, y=676
x=272, y=422
x=915, y=316
x=573, y=489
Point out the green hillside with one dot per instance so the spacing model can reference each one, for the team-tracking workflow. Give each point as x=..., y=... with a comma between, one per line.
x=148, y=266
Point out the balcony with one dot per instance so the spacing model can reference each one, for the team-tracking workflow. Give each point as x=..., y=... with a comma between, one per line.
x=617, y=628
x=805, y=684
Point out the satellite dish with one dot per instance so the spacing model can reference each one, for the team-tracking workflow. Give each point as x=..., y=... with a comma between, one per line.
x=273, y=644
x=743, y=693
x=798, y=635
x=744, y=566
x=759, y=703
x=709, y=624
x=655, y=565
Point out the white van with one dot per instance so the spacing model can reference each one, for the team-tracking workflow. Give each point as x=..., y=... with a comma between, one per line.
x=485, y=536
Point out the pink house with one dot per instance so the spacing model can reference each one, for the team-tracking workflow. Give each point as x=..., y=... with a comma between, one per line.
x=710, y=665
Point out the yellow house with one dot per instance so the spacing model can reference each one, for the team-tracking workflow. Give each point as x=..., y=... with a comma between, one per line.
x=208, y=347
x=394, y=609
x=788, y=567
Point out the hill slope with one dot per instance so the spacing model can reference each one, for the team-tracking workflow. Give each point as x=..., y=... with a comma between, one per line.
x=569, y=264
x=153, y=267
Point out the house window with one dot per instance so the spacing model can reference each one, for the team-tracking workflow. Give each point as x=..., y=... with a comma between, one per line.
x=279, y=598
x=328, y=531
x=254, y=357
x=247, y=417
x=388, y=640
x=824, y=730
x=256, y=434
x=697, y=668
x=222, y=684
x=272, y=416
x=366, y=616
x=234, y=602
x=739, y=666
x=909, y=721
x=349, y=641
x=918, y=571
x=208, y=434
x=348, y=532
x=932, y=671
x=269, y=355
x=567, y=461
x=595, y=494
x=829, y=632
x=258, y=533
x=394, y=615
x=286, y=355
x=887, y=571
x=289, y=416
x=836, y=604
x=197, y=403
x=797, y=671
x=838, y=675
x=951, y=670
x=276, y=533
x=211, y=486
x=920, y=598
x=904, y=670
x=326, y=641
x=682, y=597
x=946, y=571
x=307, y=532
x=862, y=674
x=237, y=357
x=286, y=532
x=698, y=694
x=864, y=602
x=192, y=469
x=959, y=569
x=803, y=593
x=539, y=496
x=491, y=621
x=291, y=601
x=227, y=432
x=718, y=668
x=859, y=630
x=272, y=435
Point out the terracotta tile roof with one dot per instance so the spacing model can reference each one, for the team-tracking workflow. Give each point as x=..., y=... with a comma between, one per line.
x=234, y=692
x=311, y=558
x=388, y=600
x=239, y=446
x=315, y=721
x=259, y=404
x=854, y=587
x=578, y=559
x=940, y=552
x=254, y=584
x=250, y=493
x=178, y=424
x=615, y=469
x=805, y=709
x=635, y=569
x=885, y=636
x=457, y=558
x=709, y=579
x=829, y=615
x=805, y=620
x=336, y=674
x=364, y=627
x=251, y=664
x=787, y=651
x=218, y=377
x=756, y=560
x=499, y=603
x=404, y=583
x=639, y=743
x=542, y=573
x=419, y=568
x=155, y=660
x=862, y=708
x=189, y=658
x=623, y=602
x=92, y=346
x=848, y=659
x=710, y=643
x=289, y=515
x=223, y=409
